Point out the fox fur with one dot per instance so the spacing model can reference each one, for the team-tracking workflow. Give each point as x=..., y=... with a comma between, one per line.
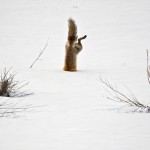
x=73, y=46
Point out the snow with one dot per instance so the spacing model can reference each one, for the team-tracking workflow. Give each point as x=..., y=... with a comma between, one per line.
x=72, y=112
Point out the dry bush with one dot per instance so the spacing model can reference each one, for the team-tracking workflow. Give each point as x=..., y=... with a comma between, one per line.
x=127, y=99
x=9, y=87
x=9, y=109
x=15, y=108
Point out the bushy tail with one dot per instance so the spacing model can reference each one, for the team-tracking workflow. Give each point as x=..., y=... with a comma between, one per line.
x=72, y=32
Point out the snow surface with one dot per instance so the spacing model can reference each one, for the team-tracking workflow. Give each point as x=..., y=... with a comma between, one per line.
x=73, y=112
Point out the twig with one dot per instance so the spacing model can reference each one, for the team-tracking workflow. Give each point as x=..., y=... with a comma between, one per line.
x=148, y=71
x=118, y=96
x=10, y=109
x=40, y=54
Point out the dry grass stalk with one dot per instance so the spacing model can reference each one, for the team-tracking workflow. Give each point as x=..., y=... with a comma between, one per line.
x=148, y=68
x=128, y=99
x=42, y=51
x=11, y=109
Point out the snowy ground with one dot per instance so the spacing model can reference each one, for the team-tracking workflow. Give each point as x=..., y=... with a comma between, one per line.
x=74, y=114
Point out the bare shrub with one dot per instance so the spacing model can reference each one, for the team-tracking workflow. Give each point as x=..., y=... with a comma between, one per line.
x=9, y=87
x=13, y=109
x=127, y=99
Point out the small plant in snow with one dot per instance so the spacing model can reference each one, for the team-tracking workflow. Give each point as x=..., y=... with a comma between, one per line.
x=8, y=86
x=14, y=108
x=8, y=109
x=128, y=99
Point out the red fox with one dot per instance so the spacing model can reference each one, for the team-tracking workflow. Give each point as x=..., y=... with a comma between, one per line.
x=72, y=47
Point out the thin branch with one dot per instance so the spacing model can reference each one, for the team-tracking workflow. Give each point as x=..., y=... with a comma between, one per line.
x=118, y=96
x=9, y=109
x=148, y=71
x=40, y=54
